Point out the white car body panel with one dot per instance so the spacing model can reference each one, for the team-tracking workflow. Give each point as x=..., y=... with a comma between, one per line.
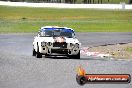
x=46, y=49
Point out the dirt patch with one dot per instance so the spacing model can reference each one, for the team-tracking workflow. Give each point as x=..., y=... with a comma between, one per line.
x=118, y=51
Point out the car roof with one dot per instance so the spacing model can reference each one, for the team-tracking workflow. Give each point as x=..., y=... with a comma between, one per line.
x=65, y=29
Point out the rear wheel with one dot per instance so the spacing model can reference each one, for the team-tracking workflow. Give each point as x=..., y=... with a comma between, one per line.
x=38, y=54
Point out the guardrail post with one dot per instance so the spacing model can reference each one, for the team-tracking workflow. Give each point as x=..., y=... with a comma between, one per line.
x=123, y=5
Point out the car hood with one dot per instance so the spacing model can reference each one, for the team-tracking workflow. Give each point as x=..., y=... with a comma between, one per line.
x=71, y=40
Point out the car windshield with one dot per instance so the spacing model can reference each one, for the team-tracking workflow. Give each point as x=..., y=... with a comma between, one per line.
x=57, y=33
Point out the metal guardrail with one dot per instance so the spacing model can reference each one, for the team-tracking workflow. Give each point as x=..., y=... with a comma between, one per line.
x=63, y=5
x=75, y=1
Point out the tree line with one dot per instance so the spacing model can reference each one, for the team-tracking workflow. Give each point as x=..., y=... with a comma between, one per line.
x=65, y=1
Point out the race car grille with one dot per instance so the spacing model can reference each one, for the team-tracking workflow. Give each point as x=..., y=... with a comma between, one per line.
x=60, y=51
x=61, y=45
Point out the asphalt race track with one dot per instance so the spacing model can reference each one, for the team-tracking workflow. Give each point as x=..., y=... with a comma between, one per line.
x=19, y=69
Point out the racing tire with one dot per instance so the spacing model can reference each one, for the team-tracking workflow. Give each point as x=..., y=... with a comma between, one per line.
x=75, y=56
x=34, y=52
x=47, y=55
x=38, y=54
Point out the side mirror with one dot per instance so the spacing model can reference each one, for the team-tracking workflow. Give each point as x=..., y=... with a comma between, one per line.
x=38, y=35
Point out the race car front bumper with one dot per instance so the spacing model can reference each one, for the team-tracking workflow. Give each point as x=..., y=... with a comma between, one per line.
x=60, y=48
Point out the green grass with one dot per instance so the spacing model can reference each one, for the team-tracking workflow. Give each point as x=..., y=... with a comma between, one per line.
x=24, y=19
x=129, y=49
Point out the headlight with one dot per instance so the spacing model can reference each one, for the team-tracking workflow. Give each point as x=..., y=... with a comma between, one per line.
x=76, y=45
x=71, y=45
x=43, y=44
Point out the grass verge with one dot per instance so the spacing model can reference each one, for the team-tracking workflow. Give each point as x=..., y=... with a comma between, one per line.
x=123, y=51
x=129, y=49
x=25, y=19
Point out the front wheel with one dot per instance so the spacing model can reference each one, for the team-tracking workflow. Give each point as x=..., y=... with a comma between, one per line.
x=47, y=55
x=38, y=54
x=34, y=52
x=75, y=56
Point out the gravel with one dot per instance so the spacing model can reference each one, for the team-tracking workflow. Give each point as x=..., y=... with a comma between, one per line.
x=118, y=51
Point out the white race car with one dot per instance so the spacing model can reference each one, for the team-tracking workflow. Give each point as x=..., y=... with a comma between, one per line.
x=52, y=40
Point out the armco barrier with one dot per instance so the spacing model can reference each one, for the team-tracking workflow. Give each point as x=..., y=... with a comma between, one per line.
x=63, y=5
